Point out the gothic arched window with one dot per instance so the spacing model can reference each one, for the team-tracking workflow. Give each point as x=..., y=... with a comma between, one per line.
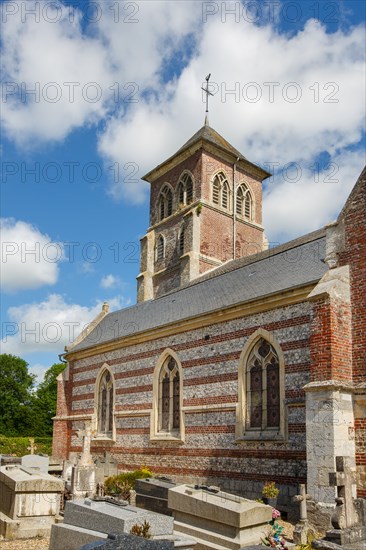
x=185, y=190
x=220, y=191
x=165, y=203
x=105, y=406
x=263, y=387
x=169, y=397
x=244, y=202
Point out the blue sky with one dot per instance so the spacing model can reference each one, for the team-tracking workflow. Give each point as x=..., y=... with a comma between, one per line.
x=95, y=94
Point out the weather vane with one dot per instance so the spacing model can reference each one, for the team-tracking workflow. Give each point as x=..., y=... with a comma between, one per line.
x=207, y=91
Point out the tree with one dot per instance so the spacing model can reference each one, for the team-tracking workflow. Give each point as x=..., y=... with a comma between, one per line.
x=45, y=400
x=16, y=385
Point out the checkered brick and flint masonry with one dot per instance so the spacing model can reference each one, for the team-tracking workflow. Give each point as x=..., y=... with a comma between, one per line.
x=241, y=362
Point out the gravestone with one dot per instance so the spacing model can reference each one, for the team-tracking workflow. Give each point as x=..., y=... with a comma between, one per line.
x=87, y=520
x=38, y=462
x=302, y=527
x=218, y=519
x=83, y=474
x=29, y=503
x=152, y=494
x=106, y=466
x=348, y=518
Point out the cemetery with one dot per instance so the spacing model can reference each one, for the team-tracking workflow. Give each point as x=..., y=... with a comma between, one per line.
x=68, y=503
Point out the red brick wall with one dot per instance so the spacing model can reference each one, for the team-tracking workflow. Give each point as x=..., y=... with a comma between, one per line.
x=330, y=341
x=355, y=255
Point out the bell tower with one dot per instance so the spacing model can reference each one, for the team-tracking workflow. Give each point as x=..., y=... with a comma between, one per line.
x=205, y=210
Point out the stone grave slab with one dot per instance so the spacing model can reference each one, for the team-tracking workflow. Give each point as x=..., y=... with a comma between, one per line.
x=111, y=518
x=38, y=462
x=152, y=494
x=30, y=501
x=218, y=519
x=131, y=542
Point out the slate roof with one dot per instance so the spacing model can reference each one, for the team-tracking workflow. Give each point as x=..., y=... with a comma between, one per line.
x=295, y=264
x=208, y=134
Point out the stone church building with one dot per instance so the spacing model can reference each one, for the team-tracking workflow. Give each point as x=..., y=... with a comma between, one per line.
x=240, y=363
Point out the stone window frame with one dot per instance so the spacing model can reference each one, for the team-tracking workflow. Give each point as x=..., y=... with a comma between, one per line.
x=160, y=249
x=247, y=202
x=111, y=434
x=221, y=191
x=182, y=191
x=243, y=431
x=155, y=433
x=166, y=195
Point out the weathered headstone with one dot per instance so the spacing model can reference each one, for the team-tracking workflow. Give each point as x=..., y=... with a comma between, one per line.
x=349, y=528
x=106, y=466
x=38, y=462
x=29, y=503
x=83, y=474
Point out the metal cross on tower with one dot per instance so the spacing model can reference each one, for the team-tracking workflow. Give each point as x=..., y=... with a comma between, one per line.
x=207, y=91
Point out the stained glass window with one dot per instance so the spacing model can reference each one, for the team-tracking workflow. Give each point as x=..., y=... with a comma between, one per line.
x=169, y=397
x=263, y=387
x=105, y=404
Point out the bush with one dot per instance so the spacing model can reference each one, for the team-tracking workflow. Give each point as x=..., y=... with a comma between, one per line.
x=117, y=485
x=17, y=446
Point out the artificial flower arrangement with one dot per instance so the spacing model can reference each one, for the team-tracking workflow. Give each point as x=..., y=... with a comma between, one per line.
x=274, y=537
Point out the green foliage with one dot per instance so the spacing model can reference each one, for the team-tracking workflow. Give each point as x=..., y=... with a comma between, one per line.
x=141, y=530
x=45, y=400
x=117, y=485
x=16, y=385
x=25, y=411
x=17, y=446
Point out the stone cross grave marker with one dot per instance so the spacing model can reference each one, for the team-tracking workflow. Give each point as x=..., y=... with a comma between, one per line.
x=86, y=457
x=107, y=466
x=32, y=447
x=343, y=478
x=302, y=498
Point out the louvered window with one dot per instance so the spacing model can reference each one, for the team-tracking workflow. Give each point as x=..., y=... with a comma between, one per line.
x=244, y=202
x=185, y=190
x=181, y=241
x=160, y=246
x=220, y=191
x=165, y=203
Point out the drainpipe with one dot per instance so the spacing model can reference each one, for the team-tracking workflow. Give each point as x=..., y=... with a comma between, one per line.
x=61, y=358
x=234, y=207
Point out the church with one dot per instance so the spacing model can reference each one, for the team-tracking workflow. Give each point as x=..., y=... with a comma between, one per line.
x=240, y=363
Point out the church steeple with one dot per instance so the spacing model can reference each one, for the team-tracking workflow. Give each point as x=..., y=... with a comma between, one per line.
x=205, y=209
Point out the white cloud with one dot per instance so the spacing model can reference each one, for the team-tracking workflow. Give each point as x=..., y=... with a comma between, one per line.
x=291, y=209
x=110, y=281
x=39, y=370
x=325, y=70
x=49, y=325
x=29, y=258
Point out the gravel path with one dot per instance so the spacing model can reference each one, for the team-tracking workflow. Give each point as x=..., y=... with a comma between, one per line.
x=25, y=544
